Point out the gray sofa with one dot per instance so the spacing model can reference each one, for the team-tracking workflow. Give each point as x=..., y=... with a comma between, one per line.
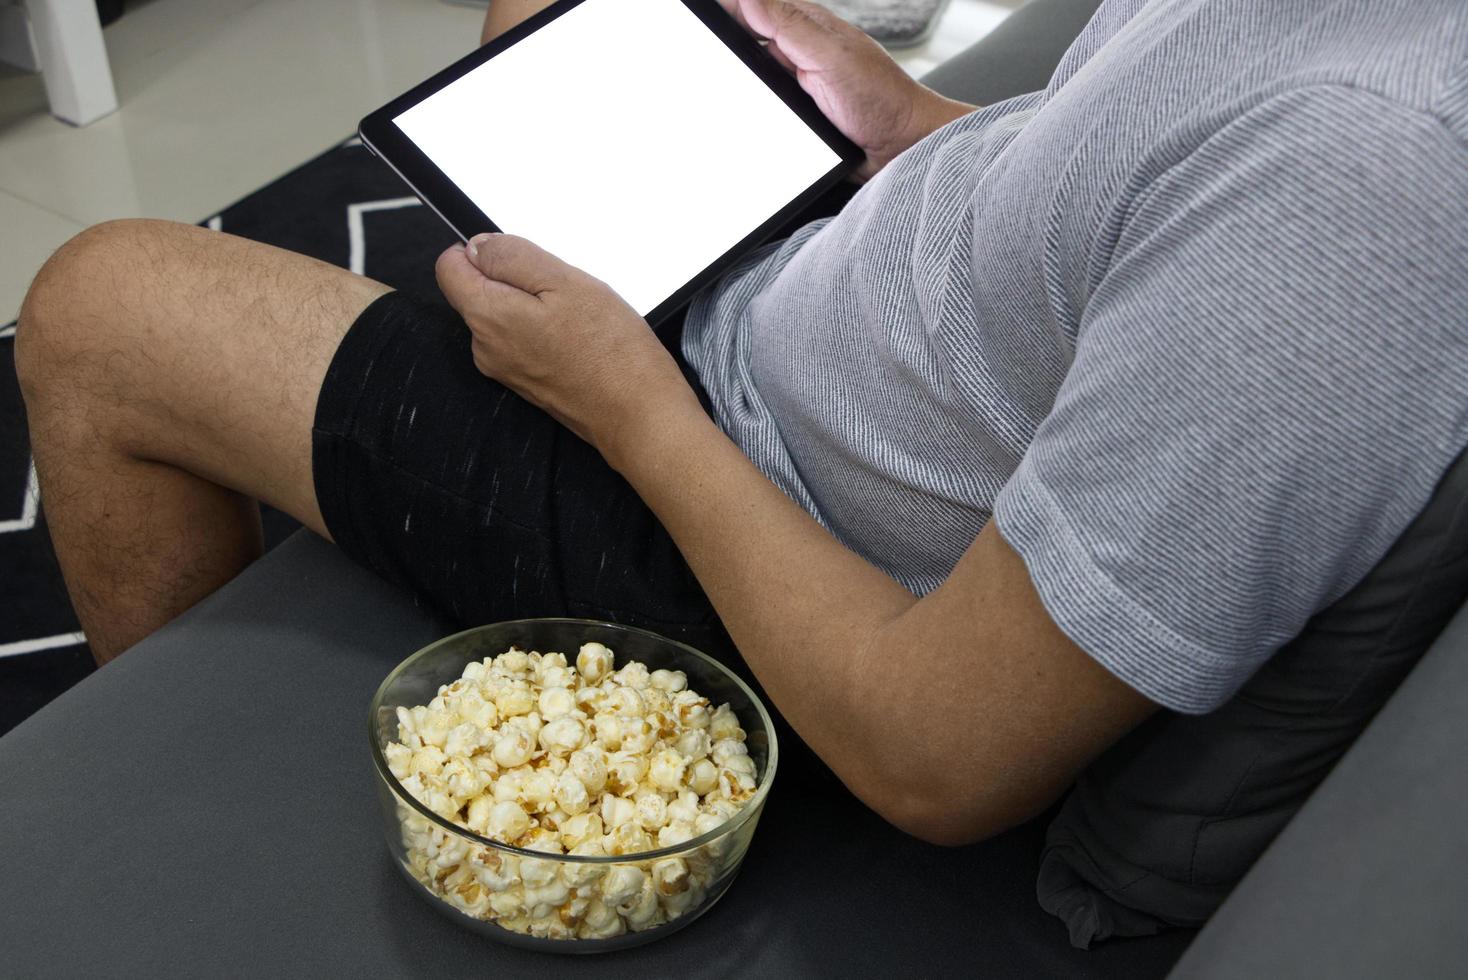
x=204, y=806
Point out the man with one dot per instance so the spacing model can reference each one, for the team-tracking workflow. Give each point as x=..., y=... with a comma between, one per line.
x=1082, y=406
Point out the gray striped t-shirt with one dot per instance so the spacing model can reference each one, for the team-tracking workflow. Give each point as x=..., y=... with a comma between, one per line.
x=1190, y=324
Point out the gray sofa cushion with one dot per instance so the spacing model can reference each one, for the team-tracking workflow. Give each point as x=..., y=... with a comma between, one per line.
x=1018, y=56
x=204, y=807
x=1159, y=829
x=1368, y=880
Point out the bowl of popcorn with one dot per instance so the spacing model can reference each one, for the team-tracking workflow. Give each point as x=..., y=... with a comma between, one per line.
x=569, y=785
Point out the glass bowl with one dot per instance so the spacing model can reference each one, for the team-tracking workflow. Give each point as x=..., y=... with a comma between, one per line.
x=474, y=880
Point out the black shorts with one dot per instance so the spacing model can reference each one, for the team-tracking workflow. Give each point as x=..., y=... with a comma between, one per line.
x=450, y=485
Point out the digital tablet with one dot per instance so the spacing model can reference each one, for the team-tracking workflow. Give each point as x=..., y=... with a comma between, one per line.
x=648, y=142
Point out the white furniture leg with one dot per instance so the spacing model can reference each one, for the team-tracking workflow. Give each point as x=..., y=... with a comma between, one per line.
x=73, y=59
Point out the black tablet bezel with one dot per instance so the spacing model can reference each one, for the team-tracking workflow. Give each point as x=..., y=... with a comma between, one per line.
x=383, y=137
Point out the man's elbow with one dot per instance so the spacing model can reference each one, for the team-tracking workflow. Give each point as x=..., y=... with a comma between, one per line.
x=956, y=815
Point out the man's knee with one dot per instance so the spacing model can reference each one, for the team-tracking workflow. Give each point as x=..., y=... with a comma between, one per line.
x=72, y=321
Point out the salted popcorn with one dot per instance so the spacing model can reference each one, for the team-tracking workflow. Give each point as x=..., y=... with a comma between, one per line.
x=590, y=760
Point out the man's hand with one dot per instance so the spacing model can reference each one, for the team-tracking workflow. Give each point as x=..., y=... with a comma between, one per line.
x=560, y=338
x=853, y=80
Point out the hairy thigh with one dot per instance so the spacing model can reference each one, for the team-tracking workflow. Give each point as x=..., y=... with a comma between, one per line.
x=194, y=348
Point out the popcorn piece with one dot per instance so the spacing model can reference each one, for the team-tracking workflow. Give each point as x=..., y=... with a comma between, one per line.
x=676, y=832
x=581, y=828
x=740, y=764
x=476, y=711
x=512, y=749
x=684, y=808
x=692, y=709
x=556, y=701
x=495, y=871
x=702, y=777
x=652, y=809
x=633, y=674
x=628, y=838
x=465, y=739
x=462, y=780
x=513, y=661
x=627, y=702
x=608, y=729
x=511, y=786
x=428, y=761
x=624, y=771
x=563, y=736
x=398, y=757
x=638, y=736
x=593, y=662
x=724, y=724
x=666, y=770
x=671, y=681
x=616, y=811
x=676, y=905
x=670, y=876
x=641, y=911
x=507, y=822
x=589, y=765
x=622, y=882
x=515, y=700
x=538, y=793
x=571, y=793
x=725, y=749
x=600, y=921
x=657, y=701
x=543, y=900
x=693, y=744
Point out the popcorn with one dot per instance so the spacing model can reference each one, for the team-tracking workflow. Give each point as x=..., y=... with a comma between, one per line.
x=623, y=882
x=694, y=744
x=512, y=749
x=571, y=793
x=651, y=808
x=594, y=661
x=633, y=675
x=692, y=709
x=507, y=822
x=398, y=756
x=590, y=760
x=671, y=681
x=702, y=777
x=556, y=701
x=590, y=766
x=666, y=770
x=726, y=749
x=563, y=736
x=670, y=876
x=581, y=828
x=616, y=811
x=624, y=770
x=724, y=725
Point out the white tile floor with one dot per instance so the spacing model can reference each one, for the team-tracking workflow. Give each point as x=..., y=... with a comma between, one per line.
x=220, y=96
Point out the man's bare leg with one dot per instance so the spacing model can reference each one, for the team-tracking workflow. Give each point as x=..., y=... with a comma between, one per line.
x=170, y=375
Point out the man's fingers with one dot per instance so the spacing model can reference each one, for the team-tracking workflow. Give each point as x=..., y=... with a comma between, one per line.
x=517, y=262
x=469, y=291
x=804, y=33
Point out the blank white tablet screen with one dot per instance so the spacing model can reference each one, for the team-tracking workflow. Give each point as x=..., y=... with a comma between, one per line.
x=624, y=137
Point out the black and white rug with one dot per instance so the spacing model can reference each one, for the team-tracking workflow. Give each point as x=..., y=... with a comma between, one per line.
x=343, y=207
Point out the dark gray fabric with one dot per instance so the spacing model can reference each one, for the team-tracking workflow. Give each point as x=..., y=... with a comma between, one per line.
x=204, y=807
x=1018, y=56
x=1160, y=828
x=1371, y=878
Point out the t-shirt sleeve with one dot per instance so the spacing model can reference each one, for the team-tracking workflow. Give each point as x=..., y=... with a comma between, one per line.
x=1270, y=377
